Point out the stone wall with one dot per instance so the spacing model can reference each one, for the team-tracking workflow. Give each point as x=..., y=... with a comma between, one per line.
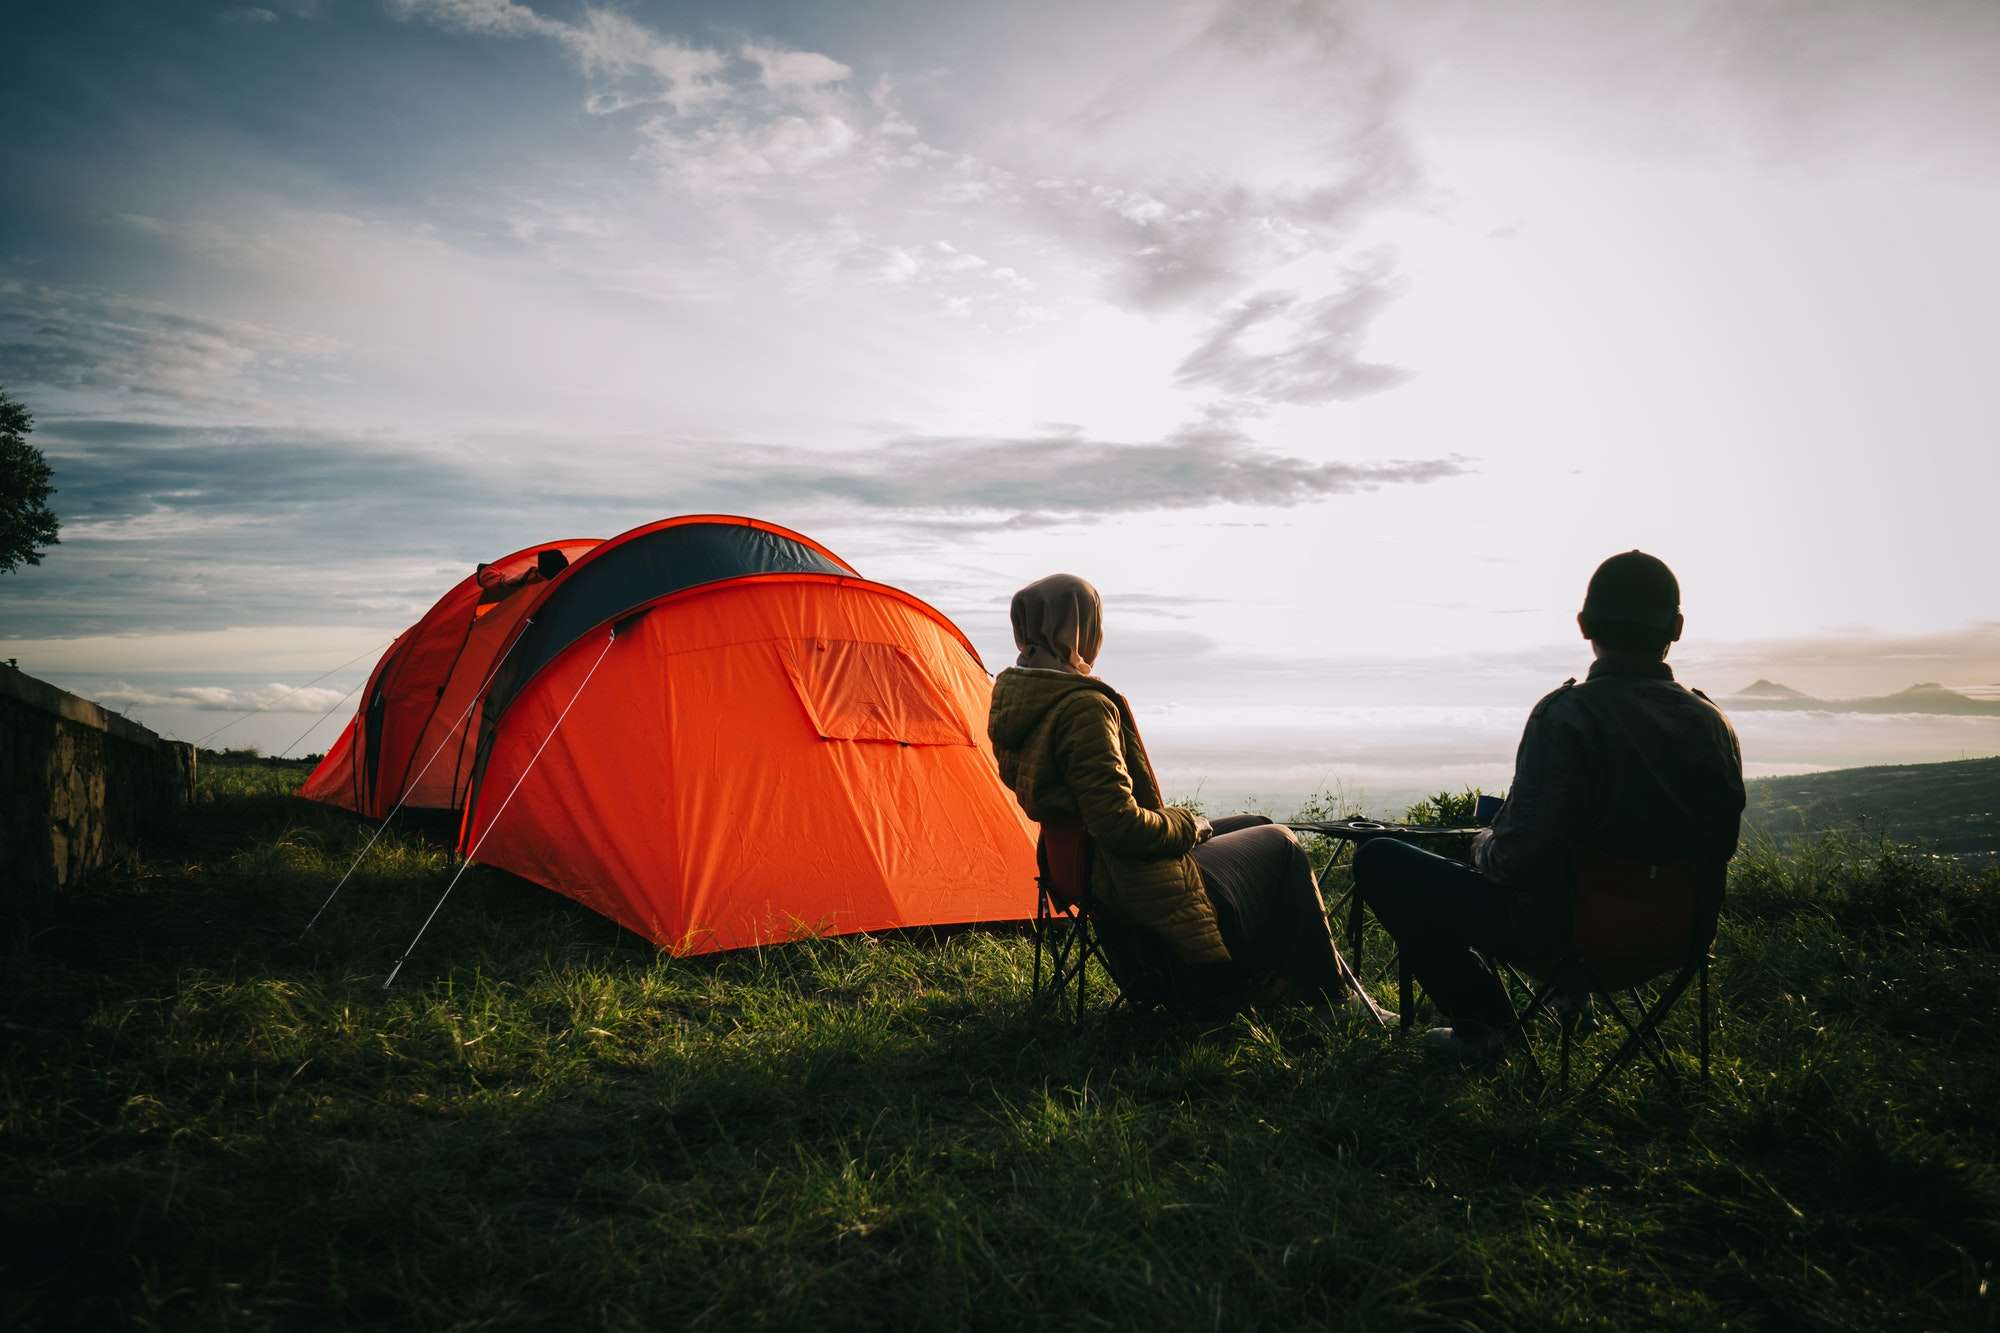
x=78, y=787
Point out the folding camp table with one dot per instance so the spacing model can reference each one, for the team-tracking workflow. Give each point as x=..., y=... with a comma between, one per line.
x=1347, y=836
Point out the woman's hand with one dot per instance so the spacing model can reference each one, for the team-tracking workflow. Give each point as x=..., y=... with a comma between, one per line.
x=1203, y=830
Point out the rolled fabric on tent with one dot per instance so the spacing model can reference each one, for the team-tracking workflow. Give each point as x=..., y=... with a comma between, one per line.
x=770, y=746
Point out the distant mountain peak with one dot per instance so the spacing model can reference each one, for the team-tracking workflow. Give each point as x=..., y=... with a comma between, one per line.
x=1769, y=689
x=1928, y=697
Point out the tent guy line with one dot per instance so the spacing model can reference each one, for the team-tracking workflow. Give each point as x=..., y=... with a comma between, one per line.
x=390, y=818
x=494, y=822
x=338, y=704
x=294, y=689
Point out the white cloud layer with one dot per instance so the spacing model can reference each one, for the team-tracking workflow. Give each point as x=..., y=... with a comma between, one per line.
x=273, y=698
x=82, y=348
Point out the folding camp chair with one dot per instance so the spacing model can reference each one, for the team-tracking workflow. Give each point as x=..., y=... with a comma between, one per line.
x=1070, y=930
x=1632, y=923
x=1064, y=940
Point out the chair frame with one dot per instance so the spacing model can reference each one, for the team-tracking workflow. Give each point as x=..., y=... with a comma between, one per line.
x=1065, y=942
x=1642, y=1033
x=1068, y=936
x=1573, y=980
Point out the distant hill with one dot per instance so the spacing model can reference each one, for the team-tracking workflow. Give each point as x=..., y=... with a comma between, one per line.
x=1929, y=697
x=1953, y=807
x=1768, y=689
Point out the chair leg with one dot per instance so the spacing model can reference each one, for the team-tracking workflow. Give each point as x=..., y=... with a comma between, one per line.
x=1047, y=975
x=1652, y=1043
x=1644, y=1032
x=1355, y=922
x=1704, y=1016
x=1063, y=945
x=1504, y=972
x=1647, y=1024
x=1082, y=965
x=1539, y=1005
x=1341, y=905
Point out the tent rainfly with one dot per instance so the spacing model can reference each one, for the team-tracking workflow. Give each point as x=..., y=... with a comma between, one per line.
x=713, y=731
x=407, y=741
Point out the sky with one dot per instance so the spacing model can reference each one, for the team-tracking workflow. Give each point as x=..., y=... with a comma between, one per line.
x=1336, y=343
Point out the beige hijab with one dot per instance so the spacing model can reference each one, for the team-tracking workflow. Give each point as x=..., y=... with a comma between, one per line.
x=1058, y=624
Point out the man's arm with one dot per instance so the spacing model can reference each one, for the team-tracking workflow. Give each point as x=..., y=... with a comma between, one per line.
x=1547, y=806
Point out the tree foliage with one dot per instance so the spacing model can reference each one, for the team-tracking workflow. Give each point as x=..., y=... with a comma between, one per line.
x=27, y=525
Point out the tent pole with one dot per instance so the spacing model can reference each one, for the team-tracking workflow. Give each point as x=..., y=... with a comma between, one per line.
x=494, y=822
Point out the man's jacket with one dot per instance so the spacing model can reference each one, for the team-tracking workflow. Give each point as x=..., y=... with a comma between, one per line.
x=1068, y=749
x=1629, y=763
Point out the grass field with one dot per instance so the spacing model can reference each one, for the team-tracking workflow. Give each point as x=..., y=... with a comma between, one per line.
x=1952, y=807
x=209, y=1122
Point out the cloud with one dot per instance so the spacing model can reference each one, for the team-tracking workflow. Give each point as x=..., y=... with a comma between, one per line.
x=1198, y=173
x=1318, y=358
x=1067, y=475
x=137, y=355
x=627, y=63
x=783, y=70
x=491, y=18
x=738, y=154
x=274, y=698
x=116, y=472
x=199, y=528
x=1815, y=82
x=1267, y=137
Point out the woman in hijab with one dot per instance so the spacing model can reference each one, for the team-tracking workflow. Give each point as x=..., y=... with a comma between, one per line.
x=1241, y=896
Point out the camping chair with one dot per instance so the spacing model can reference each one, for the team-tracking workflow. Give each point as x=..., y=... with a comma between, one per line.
x=1632, y=922
x=1070, y=931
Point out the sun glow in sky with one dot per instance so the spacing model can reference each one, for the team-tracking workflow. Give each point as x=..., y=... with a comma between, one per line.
x=1335, y=342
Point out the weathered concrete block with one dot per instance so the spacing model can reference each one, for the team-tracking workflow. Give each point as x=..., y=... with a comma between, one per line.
x=78, y=785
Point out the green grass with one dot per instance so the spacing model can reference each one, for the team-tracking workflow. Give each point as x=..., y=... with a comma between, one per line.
x=1951, y=807
x=207, y=1121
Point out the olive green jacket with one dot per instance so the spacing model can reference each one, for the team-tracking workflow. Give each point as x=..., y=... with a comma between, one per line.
x=1068, y=749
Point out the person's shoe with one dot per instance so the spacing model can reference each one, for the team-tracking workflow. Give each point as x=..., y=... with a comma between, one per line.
x=1474, y=1050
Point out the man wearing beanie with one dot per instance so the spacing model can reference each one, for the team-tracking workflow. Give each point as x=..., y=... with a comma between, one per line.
x=1629, y=763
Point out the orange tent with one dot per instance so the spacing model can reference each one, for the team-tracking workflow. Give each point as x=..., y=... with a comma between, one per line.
x=407, y=741
x=714, y=732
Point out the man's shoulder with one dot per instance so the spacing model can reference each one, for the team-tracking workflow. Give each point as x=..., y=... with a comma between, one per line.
x=1554, y=700
x=1708, y=703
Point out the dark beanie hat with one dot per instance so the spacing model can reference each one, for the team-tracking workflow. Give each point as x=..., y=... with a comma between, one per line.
x=1633, y=589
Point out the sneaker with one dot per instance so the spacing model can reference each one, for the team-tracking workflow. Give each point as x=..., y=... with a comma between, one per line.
x=1474, y=1050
